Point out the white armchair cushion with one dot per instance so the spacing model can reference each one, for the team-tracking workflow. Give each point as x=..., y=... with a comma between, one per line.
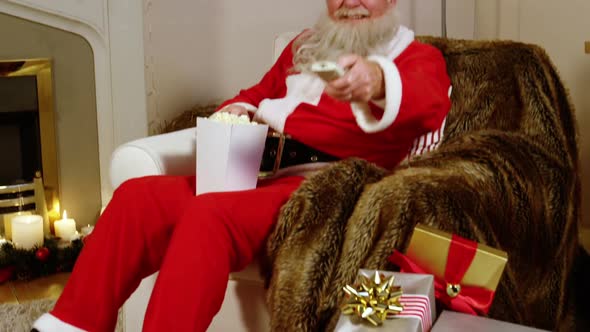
x=170, y=154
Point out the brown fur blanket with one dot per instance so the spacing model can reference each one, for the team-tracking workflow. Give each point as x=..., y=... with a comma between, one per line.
x=506, y=175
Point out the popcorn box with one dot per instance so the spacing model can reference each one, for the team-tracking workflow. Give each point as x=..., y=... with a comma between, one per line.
x=450, y=321
x=228, y=155
x=419, y=310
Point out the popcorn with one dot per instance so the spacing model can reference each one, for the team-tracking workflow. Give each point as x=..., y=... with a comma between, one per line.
x=229, y=118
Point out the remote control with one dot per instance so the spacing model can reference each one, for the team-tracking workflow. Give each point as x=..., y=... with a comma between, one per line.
x=327, y=70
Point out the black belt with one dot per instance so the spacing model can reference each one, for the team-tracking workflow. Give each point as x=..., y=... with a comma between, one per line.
x=282, y=151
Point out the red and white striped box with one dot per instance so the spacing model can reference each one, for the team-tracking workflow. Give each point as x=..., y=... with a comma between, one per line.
x=419, y=307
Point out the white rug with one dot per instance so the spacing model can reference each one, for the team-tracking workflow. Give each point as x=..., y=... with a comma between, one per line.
x=20, y=317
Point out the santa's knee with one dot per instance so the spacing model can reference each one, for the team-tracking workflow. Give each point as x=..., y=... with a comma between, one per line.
x=135, y=199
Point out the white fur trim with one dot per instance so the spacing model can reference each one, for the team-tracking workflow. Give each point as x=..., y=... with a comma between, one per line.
x=403, y=38
x=249, y=107
x=50, y=323
x=301, y=88
x=393, y=99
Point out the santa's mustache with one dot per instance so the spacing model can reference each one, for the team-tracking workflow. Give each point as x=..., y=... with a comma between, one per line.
x=348, y=12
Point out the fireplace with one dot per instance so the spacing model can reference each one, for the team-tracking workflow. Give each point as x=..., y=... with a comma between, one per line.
x=47, y=84
x=97, y=54
x=28, y=159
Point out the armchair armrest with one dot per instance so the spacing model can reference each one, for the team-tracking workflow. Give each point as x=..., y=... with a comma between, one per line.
x=171, y=154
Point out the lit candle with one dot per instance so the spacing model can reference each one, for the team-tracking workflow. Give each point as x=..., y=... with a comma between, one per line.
x=8, y=222
x=65, y=228
x=27, y=231
x=86, y=230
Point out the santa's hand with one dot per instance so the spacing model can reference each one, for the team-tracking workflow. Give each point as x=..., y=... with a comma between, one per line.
x=362, y=82
x=235, y=109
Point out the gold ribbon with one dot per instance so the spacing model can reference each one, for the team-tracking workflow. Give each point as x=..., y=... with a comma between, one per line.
x=373, y=300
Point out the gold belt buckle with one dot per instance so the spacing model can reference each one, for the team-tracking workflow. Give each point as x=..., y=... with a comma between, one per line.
x=278, y=156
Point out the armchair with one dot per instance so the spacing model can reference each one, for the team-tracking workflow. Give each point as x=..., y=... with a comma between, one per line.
x=506, y=174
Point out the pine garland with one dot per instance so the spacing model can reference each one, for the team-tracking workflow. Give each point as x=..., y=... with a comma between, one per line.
x=28, y=264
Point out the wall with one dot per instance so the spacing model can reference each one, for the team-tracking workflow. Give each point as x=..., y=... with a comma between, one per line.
x=200, y=51
x=75, y=107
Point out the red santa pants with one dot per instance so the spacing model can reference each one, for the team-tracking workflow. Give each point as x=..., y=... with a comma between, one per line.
x=157, y=223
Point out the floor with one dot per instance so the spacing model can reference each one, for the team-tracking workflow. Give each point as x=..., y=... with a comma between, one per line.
x=51, y=287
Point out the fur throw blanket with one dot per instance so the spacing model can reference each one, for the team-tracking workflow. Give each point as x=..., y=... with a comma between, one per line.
x=506, y=175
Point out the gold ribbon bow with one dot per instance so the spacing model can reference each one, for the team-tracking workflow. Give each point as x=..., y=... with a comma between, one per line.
x=373, y=300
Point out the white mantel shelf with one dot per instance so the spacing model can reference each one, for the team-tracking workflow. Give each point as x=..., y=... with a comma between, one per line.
x=114, y=31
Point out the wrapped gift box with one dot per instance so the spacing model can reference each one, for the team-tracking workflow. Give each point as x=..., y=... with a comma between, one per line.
x=418, y=300
x=450, y=321
x=466, y=273
x=429, y=248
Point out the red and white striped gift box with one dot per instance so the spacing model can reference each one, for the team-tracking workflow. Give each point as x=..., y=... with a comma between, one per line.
x=418, y=300
x=417, y=306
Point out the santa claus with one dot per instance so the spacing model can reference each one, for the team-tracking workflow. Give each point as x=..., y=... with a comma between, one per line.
x=389, y=103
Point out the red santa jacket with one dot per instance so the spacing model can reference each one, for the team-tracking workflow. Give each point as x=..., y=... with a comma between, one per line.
x=409, y=120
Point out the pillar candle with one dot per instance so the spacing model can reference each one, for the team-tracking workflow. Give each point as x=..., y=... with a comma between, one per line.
x=27, y=231
x=86, y=230
x=8, y=222
x=65, y=228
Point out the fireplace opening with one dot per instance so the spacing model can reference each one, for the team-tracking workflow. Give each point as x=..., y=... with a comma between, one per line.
x=20, y=142
x=27, y=132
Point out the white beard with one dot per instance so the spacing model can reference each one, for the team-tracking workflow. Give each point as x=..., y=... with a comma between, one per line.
x=329, y=39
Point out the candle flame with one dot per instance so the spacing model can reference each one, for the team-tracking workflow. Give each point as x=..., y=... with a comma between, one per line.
x=54, y=212
x=56, y=206
x=65, y=215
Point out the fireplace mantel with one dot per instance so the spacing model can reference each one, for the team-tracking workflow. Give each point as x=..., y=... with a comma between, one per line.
x=114, y=31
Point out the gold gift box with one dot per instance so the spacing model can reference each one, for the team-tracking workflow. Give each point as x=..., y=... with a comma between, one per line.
x=429, y=248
